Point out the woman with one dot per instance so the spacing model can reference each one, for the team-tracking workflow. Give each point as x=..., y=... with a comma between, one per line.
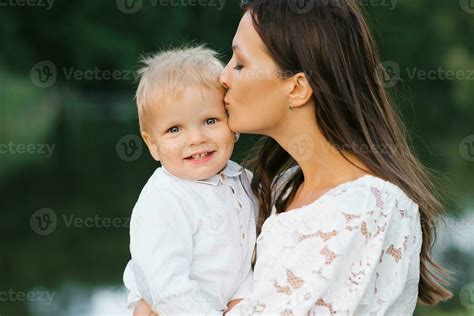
x=339, y=189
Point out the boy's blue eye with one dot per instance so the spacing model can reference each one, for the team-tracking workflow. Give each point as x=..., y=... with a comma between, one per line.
x=173, y=130
x=211, y=121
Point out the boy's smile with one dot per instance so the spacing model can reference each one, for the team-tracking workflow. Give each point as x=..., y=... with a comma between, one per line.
x=190, y=136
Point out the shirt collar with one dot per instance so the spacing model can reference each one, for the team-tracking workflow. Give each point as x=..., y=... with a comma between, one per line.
x=232, y=169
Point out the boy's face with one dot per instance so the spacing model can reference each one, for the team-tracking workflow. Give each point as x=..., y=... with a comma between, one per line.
x=195, y=123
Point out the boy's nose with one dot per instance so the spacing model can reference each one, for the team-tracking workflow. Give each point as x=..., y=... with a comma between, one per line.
x=196, y=138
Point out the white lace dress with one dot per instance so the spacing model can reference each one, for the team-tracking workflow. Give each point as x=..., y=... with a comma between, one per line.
x=353, y=251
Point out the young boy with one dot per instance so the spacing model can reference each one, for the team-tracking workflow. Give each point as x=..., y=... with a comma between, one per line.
x=192, y=231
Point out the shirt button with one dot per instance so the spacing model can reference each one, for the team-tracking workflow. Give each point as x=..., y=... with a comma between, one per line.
x=240, y=204
x=243, y=235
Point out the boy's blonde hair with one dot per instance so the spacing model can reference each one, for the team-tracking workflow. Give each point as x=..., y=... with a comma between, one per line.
x=165, y=75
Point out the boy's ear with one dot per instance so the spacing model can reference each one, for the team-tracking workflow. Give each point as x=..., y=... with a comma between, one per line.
x=152, y=146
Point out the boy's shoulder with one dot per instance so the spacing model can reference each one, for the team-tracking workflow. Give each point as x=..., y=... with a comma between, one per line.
x=159, y=180
x=159, y=189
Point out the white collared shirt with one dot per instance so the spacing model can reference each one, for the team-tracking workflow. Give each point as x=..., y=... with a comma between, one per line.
x=192, y=242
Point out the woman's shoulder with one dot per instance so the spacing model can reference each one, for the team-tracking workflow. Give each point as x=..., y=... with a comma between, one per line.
x=369, y=192
x=362, y=195
x=368, y=206
x=380, y=190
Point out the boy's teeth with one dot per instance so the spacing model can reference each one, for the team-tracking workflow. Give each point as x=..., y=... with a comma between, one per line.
x=199, y=156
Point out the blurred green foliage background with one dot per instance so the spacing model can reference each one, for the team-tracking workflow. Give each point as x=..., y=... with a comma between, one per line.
x=82, y=114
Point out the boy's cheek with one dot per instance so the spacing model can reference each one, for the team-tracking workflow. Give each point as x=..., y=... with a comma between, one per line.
x=170, y=148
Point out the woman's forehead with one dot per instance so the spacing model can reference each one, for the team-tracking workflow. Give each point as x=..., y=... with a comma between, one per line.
x=246, y=39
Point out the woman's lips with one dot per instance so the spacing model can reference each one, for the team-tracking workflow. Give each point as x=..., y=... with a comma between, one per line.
x=226, y=103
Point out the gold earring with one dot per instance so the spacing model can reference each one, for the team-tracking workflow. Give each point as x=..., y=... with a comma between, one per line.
x=291, y=107
x=236, y=137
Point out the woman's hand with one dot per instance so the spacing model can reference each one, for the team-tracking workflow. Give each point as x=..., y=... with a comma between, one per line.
x=143, y=309
x=231, y=304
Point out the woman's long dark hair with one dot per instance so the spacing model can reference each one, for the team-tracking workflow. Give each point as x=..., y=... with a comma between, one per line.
x=332, y=44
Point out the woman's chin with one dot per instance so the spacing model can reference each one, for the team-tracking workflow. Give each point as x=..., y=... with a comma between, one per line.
x=237, y=126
